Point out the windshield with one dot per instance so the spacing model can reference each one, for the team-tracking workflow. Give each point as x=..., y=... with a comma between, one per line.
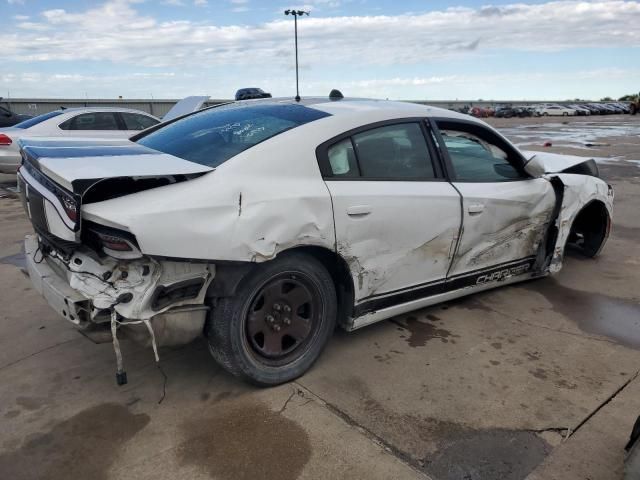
x=213, y=136
x=40, y=118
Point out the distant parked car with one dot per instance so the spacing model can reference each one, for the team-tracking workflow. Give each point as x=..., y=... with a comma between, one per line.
x=98, y=123
x=580, y=110
x=9, y=118
x=555, y=110
x=509, y=112
x=481, y=112
x=251, y=93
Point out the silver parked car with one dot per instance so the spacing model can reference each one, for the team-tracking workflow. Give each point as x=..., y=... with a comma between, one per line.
x=94, y=122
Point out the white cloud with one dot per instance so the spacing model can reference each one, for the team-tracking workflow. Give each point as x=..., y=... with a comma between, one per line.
x=200, y=3
x=21, y=18
x=15, y=2
x=116, y=31
x=173, y=3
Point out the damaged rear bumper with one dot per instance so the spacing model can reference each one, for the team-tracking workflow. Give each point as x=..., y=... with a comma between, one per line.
x=85, y=290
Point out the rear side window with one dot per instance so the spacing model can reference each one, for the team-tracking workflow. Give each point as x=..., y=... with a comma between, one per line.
x=211, y=137
x=395, y=151
x=92, y=121
x=39, y=119
x=342, y=159
x=135, y=121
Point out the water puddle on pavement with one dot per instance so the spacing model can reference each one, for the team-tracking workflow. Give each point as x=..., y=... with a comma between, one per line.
x=595, y=313
x=574, y=135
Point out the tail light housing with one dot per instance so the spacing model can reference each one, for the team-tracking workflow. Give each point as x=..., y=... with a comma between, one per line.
x=114, y=242
x=5, y=140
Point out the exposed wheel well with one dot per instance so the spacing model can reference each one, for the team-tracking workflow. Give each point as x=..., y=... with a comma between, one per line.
x=229, y=275
x=590, y=229
x=339, y=271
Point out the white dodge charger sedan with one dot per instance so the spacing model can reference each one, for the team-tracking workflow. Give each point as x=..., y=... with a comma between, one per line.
x=263, y=224
x=91, y=122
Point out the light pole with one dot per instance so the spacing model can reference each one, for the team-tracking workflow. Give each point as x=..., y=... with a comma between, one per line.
x=296, y=14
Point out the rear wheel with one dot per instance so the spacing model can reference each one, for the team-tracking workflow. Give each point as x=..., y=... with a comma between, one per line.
x=277, y=323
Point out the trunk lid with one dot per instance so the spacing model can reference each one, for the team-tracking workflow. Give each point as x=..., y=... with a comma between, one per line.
x=78, y=164
x=57, y=177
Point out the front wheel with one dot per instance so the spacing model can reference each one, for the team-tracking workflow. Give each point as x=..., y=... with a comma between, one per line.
x=277, y=323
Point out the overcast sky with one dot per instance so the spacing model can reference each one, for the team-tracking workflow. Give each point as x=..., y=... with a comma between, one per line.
x=400, y=49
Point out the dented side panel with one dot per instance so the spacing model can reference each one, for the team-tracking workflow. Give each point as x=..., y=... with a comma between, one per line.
x=502, y=222
x=395, y=234
x=254, y=206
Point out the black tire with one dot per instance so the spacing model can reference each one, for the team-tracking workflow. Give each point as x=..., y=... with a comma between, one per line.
x=243, y=341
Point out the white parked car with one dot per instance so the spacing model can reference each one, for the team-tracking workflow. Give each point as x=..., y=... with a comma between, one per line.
x=263, y=224
x=95, y=122
x=555, y=110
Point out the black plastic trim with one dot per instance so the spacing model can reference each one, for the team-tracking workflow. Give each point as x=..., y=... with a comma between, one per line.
x=417, y=292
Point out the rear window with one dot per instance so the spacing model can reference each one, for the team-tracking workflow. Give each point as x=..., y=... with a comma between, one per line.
x=39, y=119
x=213, y=136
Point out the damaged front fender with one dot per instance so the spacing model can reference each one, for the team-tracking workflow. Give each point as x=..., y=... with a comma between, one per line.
x=578, y=192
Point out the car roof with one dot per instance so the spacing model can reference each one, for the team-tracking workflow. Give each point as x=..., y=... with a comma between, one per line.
x=103, y=109
x=365, y=109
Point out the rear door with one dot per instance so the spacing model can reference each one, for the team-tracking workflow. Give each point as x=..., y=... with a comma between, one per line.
x=396, y=217
x=505, y=212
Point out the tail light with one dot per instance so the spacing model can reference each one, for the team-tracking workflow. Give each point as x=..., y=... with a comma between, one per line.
x=69, y=204
x=5, y=140
x=113, y=242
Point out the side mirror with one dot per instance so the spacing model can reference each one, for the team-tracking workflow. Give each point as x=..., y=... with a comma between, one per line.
x=535, y=167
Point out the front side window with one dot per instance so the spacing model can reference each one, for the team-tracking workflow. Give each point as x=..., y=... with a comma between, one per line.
x=135, y=121
x=393, y=152
x=92, y=121
x=211, y=137
x=476, y=159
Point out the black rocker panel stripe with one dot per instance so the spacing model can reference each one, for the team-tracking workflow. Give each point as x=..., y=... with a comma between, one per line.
x=469, y=279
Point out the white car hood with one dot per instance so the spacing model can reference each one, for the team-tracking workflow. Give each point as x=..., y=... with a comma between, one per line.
x=556, y=163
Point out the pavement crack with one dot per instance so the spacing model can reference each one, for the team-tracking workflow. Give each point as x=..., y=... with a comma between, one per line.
x=608, y=400
x=36, y=353
x=403, y=457
x=284, y=407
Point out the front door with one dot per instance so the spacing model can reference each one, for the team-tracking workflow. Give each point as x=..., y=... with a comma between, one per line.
x=505, y=212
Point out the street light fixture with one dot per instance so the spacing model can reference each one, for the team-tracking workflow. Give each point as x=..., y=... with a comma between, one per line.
x=296, y=14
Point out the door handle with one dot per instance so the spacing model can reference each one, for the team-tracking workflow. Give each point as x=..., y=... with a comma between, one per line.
x=359, y=210
x=475, y=208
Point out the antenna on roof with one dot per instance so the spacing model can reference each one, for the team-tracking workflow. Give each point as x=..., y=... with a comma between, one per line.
x=296, y=14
